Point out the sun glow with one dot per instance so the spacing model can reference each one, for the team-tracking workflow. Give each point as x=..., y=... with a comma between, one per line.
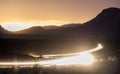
x=17, y=26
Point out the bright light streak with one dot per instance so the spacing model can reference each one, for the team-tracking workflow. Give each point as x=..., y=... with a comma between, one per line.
x=85, y=58
x=34, y=55
x=99, y=47
x=17, y=63
x=82, y=59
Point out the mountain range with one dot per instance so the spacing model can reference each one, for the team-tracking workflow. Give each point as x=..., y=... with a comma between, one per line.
x=104, y=29
x=105, y=24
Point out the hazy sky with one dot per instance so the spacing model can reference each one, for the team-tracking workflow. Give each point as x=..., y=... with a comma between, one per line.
x=52, y=11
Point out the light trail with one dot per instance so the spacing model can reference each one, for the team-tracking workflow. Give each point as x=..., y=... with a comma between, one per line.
x=16, y=63
x=99, y=47
x=82, y=58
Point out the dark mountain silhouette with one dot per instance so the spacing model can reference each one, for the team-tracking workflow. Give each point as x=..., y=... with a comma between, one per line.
x=105, y=24
x=56, y=30
x=3, y=31
x=50, y=27
x=32, y=30
x=70, y=25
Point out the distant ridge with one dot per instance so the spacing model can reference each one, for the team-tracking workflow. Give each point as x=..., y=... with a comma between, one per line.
x=32, y=30
x=3, y=31
x=50, y=27
x=105, y=24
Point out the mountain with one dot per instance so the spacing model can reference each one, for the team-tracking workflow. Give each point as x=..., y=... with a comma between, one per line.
x=69, y=37
x=3, y=31
x=50, y=27
x=105, y=24
x=32, y=30
x=70, y=25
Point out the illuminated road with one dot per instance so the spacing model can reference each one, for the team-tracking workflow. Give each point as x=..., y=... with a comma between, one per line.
x=82, y=58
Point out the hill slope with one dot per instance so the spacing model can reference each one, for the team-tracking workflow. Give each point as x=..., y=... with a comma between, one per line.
x=105, y=24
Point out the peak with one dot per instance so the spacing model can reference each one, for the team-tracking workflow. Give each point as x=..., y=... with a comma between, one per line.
x=36, y=27
x=111, y=10
x=109, y=13
x=3, y=31
x=1, y=28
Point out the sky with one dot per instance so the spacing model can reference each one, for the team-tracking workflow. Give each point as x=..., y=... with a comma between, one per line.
x=20, y=14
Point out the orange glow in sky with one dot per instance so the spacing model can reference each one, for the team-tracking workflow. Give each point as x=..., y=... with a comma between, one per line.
x=43, y=11
x=16, y=26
